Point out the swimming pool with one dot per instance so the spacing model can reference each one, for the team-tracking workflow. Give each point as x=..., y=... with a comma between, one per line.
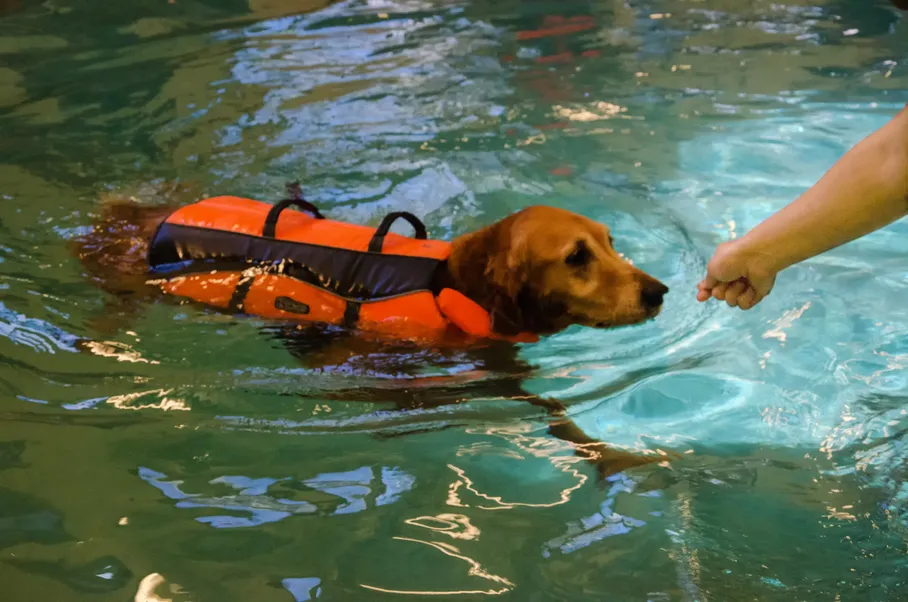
x=193, y=457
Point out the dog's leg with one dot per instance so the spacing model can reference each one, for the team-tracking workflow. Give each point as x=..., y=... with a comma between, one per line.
x=433, y=393
x=498, y=374
x=321, y=347
x=606, y=459
x=116, y=315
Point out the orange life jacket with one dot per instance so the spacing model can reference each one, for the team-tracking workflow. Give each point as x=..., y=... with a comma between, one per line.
x=235, y=254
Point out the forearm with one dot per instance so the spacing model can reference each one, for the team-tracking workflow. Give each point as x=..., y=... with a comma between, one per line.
x=864, y=191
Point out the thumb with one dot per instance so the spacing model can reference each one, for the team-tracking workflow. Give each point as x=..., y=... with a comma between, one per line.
x=762, y=283
x=708, y=282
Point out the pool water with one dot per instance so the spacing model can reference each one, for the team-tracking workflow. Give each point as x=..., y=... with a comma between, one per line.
x=192, y=457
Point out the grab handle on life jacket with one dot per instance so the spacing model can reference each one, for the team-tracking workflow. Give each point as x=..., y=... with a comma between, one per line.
x=378, y=239
x=275, y=213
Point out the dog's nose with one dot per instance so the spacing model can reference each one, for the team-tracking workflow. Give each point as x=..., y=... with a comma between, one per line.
x=652, y=293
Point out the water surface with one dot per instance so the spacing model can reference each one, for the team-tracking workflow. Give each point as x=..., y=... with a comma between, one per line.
x=194, y=457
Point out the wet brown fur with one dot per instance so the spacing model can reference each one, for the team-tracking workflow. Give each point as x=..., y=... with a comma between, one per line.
x=540, y=270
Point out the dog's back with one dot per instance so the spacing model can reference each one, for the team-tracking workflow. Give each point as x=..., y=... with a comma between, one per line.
x=114, y=251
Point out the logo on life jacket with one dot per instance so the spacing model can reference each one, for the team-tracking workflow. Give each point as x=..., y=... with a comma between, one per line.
x=267, y=260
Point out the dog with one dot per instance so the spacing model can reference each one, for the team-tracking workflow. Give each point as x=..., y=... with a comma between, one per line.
x=539, y=271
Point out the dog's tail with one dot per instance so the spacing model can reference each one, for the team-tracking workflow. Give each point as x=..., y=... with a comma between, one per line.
x=113, y=251
x=142, y=211
x=124, y=224
x=127, y=216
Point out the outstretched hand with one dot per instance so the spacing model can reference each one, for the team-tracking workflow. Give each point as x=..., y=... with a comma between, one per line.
x=737, y=276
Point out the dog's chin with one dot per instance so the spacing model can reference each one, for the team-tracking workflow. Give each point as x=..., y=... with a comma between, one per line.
x=652, y=313
x=623, y=321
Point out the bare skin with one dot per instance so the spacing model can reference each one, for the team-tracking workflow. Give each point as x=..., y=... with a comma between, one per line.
x=864, y=191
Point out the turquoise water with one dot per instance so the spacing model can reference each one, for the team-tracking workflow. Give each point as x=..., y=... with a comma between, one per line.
x=194, y=458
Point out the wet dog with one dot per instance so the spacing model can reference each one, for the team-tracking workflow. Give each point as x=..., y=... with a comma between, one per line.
x=540, y=271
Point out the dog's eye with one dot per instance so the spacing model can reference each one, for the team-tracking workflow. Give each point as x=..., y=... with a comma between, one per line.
x=579, y=256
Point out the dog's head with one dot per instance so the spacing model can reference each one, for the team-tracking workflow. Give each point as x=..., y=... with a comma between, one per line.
x=544, y=269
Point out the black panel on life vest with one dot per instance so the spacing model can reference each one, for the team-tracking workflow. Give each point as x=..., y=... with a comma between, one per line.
x=179, y=250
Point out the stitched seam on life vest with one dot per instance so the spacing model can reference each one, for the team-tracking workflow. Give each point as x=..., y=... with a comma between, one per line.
x=305, y=244
x=305, y=262
x=271, y=270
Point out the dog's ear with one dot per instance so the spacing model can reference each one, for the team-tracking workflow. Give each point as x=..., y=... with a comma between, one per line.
x=508, y=262
x=507, y=270
x=502, y=285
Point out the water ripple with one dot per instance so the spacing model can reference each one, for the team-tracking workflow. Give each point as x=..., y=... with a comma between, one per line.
x=230, y=468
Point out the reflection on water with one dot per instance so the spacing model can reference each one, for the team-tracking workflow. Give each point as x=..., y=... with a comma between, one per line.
x=191, y=456
x=251, y=495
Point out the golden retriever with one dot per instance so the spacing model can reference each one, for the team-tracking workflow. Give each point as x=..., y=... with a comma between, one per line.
x=539, y=270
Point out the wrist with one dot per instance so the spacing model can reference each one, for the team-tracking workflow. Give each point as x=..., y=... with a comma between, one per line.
x=763, y=253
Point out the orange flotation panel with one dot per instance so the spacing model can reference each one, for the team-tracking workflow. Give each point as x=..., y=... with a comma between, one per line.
x=268, y=260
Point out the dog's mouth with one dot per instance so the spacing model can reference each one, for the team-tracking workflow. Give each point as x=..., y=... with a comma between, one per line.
x=647, y=316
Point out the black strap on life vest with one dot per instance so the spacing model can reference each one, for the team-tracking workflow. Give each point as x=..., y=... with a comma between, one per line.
x=176, y=248
x=295, y=194
x=295, y=199
x=378, y=239
x=351, y=314
x=238, y=298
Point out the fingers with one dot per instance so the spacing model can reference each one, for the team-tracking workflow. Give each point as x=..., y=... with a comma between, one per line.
x=734, y=292
x=735, y=276
x=740, y=293
x=749, y=298
x=708, y=282
x=719, y=291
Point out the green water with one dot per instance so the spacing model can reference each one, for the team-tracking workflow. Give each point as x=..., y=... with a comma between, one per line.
x=192, y=457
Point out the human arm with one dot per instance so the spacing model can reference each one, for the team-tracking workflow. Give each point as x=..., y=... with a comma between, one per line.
x=864, y=191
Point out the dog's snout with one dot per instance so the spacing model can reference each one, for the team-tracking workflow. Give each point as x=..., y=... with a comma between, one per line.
x=652, y=293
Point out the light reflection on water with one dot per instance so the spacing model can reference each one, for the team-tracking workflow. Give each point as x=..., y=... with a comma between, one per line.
x=190, y=456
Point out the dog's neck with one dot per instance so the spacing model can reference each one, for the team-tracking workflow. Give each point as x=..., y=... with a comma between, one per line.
x=467, y=272
x=464, y=270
